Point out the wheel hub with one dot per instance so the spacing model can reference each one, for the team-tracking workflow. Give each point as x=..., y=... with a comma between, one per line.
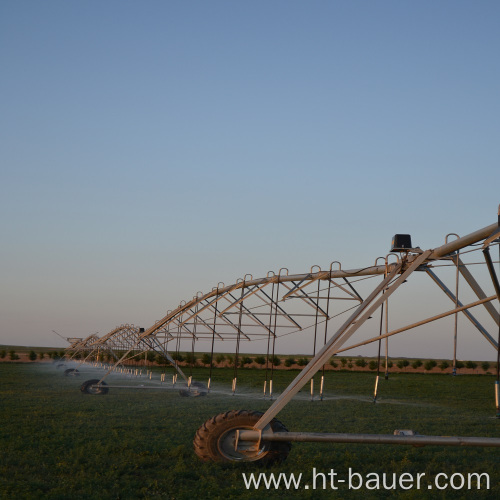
x=231, y=447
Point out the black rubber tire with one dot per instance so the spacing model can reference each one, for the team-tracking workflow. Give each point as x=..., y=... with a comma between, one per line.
x=212, y=441
x=71, y=372
x=196, y=389
x=87, y=388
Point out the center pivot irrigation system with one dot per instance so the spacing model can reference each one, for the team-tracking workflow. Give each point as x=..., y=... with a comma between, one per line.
x=330, y=307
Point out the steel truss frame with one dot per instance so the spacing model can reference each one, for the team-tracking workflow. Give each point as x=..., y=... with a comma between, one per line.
x=123, y=338
x=280, y=304
x=248, y=310
x=79, y=346
x=263, y=308
x=398, y=274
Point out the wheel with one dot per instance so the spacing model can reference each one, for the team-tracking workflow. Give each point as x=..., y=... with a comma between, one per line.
x=71, y=372
x=196, y=389
x=215, y=439
x=87, y=387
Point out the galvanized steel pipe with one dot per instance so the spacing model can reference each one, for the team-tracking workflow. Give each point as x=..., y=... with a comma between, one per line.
x=416, y=440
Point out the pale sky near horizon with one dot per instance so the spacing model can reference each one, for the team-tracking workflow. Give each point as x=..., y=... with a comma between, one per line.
x=152, y=149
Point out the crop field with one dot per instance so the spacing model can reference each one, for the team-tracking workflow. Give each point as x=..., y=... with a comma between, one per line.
x=58, y=443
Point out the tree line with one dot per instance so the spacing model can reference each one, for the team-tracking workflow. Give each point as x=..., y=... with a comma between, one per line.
x=220, y=359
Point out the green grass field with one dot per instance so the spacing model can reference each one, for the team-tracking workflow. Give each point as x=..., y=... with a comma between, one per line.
x=58, y=443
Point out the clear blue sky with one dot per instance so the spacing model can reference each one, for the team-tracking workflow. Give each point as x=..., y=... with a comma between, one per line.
x=152, y=149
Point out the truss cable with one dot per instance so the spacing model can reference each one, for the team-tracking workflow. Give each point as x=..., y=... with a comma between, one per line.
x=375, y=391
x=192, y=346
x=316, y=323
x=166, y=363
x=238, y=337
x=315, y=335
x=164, y=359
x=269, y=336
x=455, y=331
x=326, y=331
x=386, y=375
x=213, y=341
x=177, y=347
x=354, y=290
x=274, y=337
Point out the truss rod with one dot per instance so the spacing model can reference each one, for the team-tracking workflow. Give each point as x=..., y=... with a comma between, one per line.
x=478, y=290
x=419, y=323
x=466, y=312
x=350, y=325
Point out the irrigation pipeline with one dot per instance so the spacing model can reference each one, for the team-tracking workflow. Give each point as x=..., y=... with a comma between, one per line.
x=412, y=439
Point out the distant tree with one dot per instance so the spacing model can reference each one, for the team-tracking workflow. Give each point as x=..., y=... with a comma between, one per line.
x=191, y=358
x=161, y=359
x=41, y=355
x=350, y=365
x=177, y=356
x=400, y=364
x=3, y=353
x=429, y=364
x=151, y=356
x=373, y=365
x=459, y=365
x=246, y=360
x=290, y=361
x=275, y=360
x=343, y=362
x=302, y=361
x=416, y=364
x=229, y=359
x=390, y=364
x=32, y=356
x=220, y=358
x=360, y=362
x=471, y=365
x=205, y=359
x=12, y=355
x=260, y=360
x=333, y=363
x=443, y=365
x=62, y=354
x=485, y=366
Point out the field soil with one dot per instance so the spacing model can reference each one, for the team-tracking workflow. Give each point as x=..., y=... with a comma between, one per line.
x=59, y=443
